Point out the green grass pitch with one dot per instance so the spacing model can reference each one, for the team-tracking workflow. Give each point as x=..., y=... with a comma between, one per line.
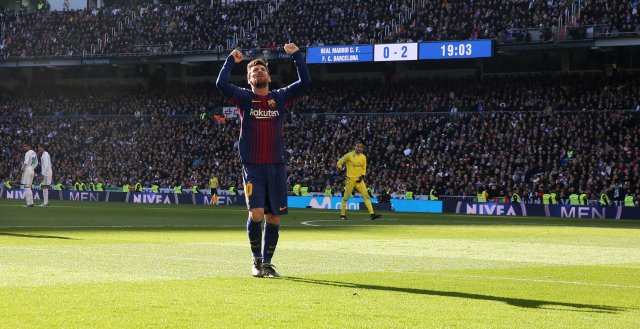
x=116, y=265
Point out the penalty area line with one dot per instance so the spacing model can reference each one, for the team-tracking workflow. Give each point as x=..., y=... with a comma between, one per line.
x=311, y=222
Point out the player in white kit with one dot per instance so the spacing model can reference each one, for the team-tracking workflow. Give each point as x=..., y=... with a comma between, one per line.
x=47, y=174
x=28, y=166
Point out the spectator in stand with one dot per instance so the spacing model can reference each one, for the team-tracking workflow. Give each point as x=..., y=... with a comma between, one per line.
x=138, y=27
x=521, y=145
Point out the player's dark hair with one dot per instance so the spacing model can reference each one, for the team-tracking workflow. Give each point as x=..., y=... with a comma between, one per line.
x=42, y=145
x=359, y=141
x=256, y=62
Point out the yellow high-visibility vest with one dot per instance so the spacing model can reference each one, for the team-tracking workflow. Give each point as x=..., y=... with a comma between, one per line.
x=408, y=195
x=574, y=199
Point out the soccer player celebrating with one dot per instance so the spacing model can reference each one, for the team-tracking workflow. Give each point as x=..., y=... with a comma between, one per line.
x=28, y=166
x=261, y=147
x=47, y=174
x=356, y=164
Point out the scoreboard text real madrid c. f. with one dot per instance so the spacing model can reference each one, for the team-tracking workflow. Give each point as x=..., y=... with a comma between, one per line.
x=400, y=51
x=340, y=54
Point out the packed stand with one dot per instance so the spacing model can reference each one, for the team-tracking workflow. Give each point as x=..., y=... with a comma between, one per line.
x=542, y=92
x=108, y=99
x=262, y=24
x=613, y=17
x=163, y=150
x=358, y=22
x=457, y=152
x=499, y=151
x=146, y=29
x=556, y=91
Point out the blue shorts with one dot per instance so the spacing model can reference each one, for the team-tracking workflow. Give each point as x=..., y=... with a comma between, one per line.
x=265, y=186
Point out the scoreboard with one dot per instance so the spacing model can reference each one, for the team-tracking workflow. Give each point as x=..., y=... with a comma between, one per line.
x=340, y=54
x=401, y=51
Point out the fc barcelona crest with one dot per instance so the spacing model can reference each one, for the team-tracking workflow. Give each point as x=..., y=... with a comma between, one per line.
x=271, y=103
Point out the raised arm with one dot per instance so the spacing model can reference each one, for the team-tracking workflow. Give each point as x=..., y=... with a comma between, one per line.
x=223, y=84
x=296, y=89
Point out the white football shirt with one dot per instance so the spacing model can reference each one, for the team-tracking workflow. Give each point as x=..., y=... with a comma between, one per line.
x=45, y=161
x=30, y=159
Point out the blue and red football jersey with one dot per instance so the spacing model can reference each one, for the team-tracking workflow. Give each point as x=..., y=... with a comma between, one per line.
x=262, y=118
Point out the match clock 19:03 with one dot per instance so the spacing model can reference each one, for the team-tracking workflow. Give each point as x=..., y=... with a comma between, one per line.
x=456, y=49
x=395, y=52
x=463, y=49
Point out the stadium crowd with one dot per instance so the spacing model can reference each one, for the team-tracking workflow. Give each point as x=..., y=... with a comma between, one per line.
x=108, y=99
x=143, y=29
x=357, y=22
x=551, y=91
x=616, y=16
x=589, y=91
x=570, y=136
x=162, y=28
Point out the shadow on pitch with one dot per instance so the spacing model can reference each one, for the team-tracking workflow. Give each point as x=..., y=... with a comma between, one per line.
x=37, y=236
x=519, y=302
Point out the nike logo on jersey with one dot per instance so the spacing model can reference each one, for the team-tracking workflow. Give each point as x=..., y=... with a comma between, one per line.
x=282, y=208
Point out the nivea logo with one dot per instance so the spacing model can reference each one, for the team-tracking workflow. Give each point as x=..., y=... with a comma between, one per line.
x=490, y=209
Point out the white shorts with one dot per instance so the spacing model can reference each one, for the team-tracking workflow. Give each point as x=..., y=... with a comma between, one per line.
x=27, y=176
x=47, y=179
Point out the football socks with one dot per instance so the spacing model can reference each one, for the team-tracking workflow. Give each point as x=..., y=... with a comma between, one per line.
x=270, y=241
x=254, y=230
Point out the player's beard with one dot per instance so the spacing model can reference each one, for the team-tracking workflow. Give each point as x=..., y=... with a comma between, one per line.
x=260, y=83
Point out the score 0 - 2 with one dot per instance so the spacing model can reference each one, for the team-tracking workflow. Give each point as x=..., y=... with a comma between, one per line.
x=395, y=52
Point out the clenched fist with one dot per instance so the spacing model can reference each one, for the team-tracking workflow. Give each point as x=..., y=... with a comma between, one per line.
x=290, y=48
x=237, y=55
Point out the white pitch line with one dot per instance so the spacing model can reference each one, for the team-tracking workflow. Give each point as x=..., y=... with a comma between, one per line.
x=426, y=222
x=304, y=223
x=308, y=223
x=199, y=208
x=522, y=279
x=470, y=222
